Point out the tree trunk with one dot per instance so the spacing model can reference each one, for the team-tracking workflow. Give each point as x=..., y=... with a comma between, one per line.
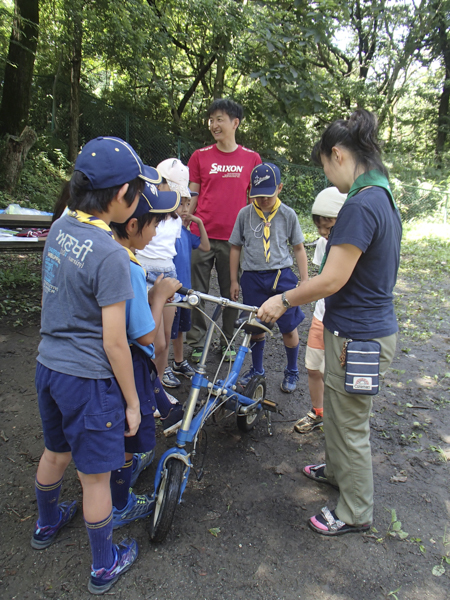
x=443, y=115
x=75, y=75
x=14, y=155
x=220, y=77
x=19, y=67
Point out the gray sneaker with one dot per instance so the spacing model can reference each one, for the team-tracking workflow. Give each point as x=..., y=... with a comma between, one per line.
x=309, y=423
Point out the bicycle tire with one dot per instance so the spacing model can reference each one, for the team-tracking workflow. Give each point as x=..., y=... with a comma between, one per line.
x=256, y=390
x=166, y=500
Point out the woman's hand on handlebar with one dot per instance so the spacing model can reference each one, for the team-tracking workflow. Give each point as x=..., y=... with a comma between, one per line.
x=271, y=310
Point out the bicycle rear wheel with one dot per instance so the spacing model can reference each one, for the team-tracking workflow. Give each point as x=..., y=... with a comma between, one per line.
x=256, y=390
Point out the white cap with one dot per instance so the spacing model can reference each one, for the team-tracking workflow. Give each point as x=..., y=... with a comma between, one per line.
x=177, y=176
x=328, y=203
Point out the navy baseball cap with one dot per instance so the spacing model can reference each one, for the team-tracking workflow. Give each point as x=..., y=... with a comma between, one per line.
x=108, y=162
x=265, y=179
x=152, y=175
x=154, y=201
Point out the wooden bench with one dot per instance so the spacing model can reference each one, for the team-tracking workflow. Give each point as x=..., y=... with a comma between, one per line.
x=24, y=221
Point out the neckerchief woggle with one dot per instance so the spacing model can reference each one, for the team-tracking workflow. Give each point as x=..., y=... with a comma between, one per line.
x=267, y=224
x=370, y=179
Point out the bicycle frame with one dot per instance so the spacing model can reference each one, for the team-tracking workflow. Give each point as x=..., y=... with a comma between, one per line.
x=221, y=392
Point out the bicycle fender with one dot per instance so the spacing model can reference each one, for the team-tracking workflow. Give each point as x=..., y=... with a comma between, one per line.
x=178, y=454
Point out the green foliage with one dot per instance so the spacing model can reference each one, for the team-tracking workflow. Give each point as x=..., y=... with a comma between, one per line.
x=42, y=178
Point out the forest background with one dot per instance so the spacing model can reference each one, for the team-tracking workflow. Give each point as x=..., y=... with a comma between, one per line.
x=146, y=70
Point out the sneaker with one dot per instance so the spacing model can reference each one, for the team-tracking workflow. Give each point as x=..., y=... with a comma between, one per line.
x=229, y=353
x=137, y=507
x=171, y=398
x=289, y=383
x=43, y=537
x=184, y=368
x=141, y=461
x=172, y=422
x=196, y=355
x=169, y=380
x=309, y=423
x=243, y=381
x=125, y=554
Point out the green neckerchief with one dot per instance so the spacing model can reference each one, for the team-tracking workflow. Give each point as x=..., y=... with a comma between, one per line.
x=371, y=178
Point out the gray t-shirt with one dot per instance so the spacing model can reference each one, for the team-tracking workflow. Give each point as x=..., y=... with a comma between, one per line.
x=248, y=232
x=83, y=269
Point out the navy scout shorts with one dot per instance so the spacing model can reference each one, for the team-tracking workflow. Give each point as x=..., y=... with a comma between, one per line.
x=181, y=322
x=145, y=376
x=258, y=286
x=82, y=416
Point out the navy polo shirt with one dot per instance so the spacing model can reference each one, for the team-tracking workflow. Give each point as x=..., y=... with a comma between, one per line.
x=363, y=308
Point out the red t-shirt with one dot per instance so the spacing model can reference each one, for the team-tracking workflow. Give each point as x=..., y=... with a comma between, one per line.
x=224, y=179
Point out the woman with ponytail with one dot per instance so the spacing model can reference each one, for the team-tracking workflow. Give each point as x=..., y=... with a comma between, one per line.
x=356, y=279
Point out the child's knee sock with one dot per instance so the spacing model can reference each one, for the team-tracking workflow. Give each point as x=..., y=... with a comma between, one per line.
x=292, y=356
x=100, y=538
x=47, y=501
x=120, y=484
x=257, y=349
x=163, y=404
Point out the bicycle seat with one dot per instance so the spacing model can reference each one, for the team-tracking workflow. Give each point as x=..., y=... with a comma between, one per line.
x=252, y=326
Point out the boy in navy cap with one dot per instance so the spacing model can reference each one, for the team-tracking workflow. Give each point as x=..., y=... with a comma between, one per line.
x=264, y=229
x=84, y=375
x=142, y=324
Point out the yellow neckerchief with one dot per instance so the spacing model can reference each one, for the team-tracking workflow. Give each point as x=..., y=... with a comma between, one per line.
x=267, y=225
x=133, y=258
x=83, y=217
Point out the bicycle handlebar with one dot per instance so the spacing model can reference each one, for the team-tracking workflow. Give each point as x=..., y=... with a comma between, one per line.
x=193, y=297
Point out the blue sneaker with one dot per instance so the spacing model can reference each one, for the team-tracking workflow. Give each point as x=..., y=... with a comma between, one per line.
x=43, y=537
x=289, y=383
x=143, y=460
x=243, y=381
x=125, y=554
x=137, y=507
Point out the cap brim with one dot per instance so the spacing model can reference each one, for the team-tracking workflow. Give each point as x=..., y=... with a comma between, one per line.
x=151, y=175
x=164, y=202
x=260, y=192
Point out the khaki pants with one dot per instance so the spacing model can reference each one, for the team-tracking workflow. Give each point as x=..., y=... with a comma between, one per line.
x=202, y=264
x=347, y=433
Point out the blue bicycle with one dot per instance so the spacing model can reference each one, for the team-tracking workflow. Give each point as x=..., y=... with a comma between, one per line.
x=221, y=395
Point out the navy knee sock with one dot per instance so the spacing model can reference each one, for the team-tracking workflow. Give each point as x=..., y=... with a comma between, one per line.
x=100, y=538
x=257, y=349
x=292, y=357
x=47, y=501
x=120, y=485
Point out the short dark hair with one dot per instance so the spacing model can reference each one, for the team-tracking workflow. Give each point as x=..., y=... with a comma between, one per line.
x=82, y=198
x=120, y=229
x=231, y=108
x=316, y=219
x=359, y=135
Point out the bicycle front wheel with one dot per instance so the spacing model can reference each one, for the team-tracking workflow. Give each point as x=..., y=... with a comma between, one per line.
x=166, y=500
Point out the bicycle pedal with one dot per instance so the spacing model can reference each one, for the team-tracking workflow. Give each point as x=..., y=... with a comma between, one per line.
x=269, y=405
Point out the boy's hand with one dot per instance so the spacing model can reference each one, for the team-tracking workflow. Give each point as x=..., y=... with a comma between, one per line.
x=194, y=219
x=234, y=291
x=166, y=286
x=133, y=416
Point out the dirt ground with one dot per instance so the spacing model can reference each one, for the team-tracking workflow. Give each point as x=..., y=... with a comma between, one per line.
x=253, y=495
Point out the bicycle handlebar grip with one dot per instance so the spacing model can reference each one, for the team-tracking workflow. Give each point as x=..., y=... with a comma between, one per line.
x=184, y=291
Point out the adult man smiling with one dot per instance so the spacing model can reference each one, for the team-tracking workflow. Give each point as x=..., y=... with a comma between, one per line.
x=220, y=173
